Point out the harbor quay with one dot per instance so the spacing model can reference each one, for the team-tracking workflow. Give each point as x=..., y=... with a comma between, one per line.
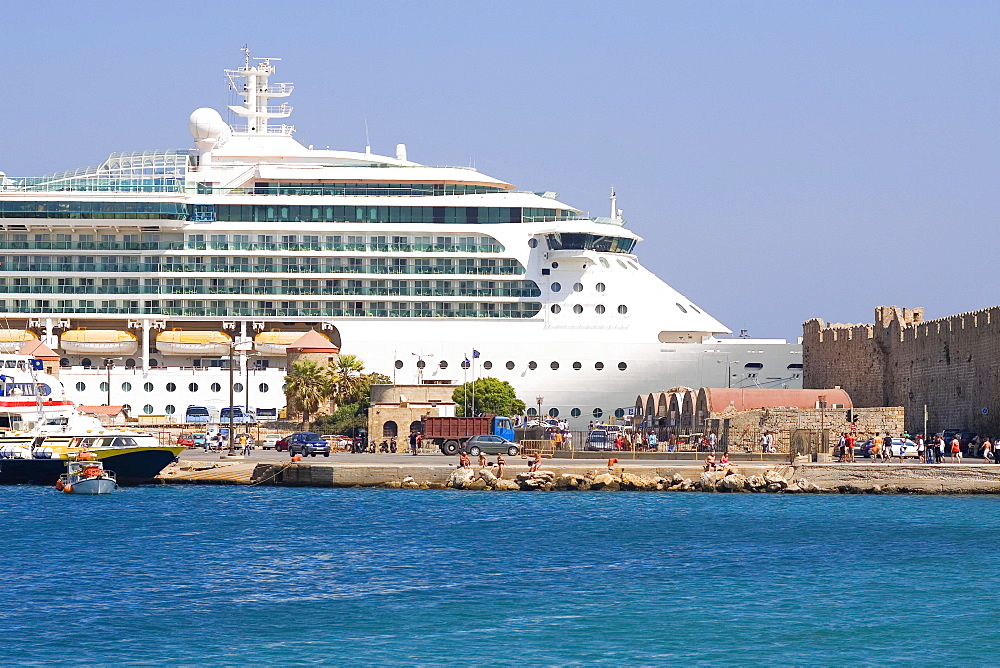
x=435, y=471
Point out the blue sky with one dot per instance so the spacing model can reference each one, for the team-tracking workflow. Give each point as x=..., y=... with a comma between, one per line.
x=782, y=160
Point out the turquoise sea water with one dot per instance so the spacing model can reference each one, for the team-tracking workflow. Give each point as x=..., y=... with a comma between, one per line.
x=228, y=575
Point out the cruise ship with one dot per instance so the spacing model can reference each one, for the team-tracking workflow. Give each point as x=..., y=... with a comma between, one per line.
x=166, y=278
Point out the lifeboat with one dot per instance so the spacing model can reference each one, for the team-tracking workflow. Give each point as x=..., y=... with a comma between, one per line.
x=11, y=340
x=93, y=341
x=275, y=343
x=186, y=342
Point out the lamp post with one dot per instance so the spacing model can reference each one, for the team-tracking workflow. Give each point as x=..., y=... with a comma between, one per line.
x=232, y=348
x=420, y=365
x=822, y=421
x=109, y=364
x=539, y=400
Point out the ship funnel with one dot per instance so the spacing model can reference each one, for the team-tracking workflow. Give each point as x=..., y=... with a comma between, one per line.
x=401, y=152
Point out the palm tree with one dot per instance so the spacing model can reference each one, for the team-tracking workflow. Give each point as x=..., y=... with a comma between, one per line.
x=307, y=386
x=346, y=380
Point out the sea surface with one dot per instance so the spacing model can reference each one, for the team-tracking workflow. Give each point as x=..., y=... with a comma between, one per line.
x=203, y=575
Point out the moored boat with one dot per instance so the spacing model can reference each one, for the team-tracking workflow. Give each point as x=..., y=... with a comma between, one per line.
x=86, y=476
x=187, y=342
x=94, y=341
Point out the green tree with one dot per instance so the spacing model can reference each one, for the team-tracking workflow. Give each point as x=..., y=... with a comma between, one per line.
x=487, y=395
x=348, y=381
x=307, y=385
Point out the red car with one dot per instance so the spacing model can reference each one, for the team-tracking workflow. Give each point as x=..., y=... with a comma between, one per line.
x=281, y=444
x=187, y=440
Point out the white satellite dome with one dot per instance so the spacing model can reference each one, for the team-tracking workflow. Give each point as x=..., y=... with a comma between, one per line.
x=208, y=128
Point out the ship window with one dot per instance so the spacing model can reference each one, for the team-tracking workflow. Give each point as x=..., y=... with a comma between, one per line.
x=794, y=366
x=575, y=412
x=147, y=409
x=421, y=364
x=633, y=265
x=443, y=364
x=753, y=365
x=554, y=366
x=622, y=264
x=170, y=409
x=694, y=308
x=577, y=308
x=466, y=364
x=554, y=412
x=621, y=367
x=192, y=387
x=263, y=388
x=532, y=243
x=683, y=310
x=604, y=263
x=85, y=361
x=171, y=387
x=510, y=366
x=80, y=387
x=599, y=366
x=237, y=387
x=130, y=363
x=556, y=287
x=599, y=308
x=148, y=387
x=619, y=412
x=126, y=387
x=487, y=365
x=103, y=387
x=623, y=309
x=578, y=287
x=532, y=411
x=555, y=308
x=598, y=412
x=532, y=365
x=399, y=364
x=600, y=287
x=555, y=265
x=217, y=388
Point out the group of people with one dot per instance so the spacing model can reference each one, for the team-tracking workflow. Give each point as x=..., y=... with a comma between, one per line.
x=465, y=462
x=936, y=451
x=721, y=464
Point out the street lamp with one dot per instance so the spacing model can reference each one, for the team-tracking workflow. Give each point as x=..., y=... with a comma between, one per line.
x=539, y=400
x=232, y=347
x=109, y=364
x=420, y=365
x=822, y=421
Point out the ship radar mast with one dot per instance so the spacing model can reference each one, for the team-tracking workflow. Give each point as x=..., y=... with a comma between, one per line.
x=251, y=82
x=616, y=213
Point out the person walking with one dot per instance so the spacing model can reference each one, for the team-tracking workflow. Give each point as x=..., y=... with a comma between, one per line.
x=956, y=451
x=987, y=450
x=921, y=450
x=501, y=463
x=940, y=449
x=849, y=444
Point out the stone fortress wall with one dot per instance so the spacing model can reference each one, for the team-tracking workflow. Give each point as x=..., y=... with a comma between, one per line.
x=951, y=365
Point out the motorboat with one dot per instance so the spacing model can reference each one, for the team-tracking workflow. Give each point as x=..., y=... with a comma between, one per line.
x=86, y=476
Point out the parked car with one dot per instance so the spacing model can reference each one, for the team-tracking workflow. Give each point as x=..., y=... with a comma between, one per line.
x=965, y=437
x=186, y=440
x=490, y=445
x=908, y=447
x=269, y=442
x=200, y=440
x=598, y=439
x=307, y=443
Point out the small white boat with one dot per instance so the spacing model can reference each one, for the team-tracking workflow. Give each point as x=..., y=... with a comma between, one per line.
x=86, y=477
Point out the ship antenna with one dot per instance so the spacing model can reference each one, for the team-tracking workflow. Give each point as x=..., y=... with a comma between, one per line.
x=368, y=141
x=614, y=202
x=246, y=50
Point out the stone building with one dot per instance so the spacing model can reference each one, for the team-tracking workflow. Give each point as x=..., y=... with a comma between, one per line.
x=950, y=365
x=315, y=347
x=396, y=410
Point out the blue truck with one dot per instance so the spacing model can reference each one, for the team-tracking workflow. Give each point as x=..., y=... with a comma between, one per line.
x=451, y=433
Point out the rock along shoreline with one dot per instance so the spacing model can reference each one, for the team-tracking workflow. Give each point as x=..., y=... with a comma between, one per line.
x=761, y=478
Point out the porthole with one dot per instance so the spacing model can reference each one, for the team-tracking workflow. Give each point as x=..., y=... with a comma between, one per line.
x=263, y=388
x=556, y=287
x=578, y=309
x=555, y=308
x=80, y=387
x=154, y=362
x=421, y=364
x=443, y=364
x=170, y=409
x=554, y=366
x=694, y=308
x=578, y=287
x=622, y=366
x=599, y=308
x=633, y=265
x=604, y=263
x=103, y=387
x=555, y=265
x=532, y=412
x=619, y=412
x=171, y=387
x=127, y=408
x=623, y=309
x=148, y=409
x=126, y=387
x=466, y=364
x=599, y=366
x=598, y=412
x=510, y=366
x=148, y=387
x=237, y=387
x=130, y=363
x=532, y=365
x=600, y=287
x=64, y=362
x=217, y=388
x=487, y=365
x=399, y=364
x=683, y=310
x=532, y=243
x=577, y=366
x=193, y=387
x=575, y=412
x=85, y=361
x=622, y=264
x=554, y=412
